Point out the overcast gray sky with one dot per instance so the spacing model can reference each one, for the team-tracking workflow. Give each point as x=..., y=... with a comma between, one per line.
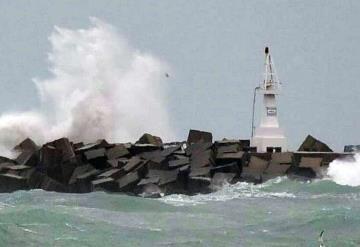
x=215, y=49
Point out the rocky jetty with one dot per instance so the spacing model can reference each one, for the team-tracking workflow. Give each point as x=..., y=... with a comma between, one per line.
x=151, y=168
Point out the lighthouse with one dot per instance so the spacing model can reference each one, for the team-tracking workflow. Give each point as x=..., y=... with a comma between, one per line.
x=268, y=136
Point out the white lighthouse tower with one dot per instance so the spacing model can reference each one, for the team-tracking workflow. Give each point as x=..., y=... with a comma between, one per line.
x=269, y=137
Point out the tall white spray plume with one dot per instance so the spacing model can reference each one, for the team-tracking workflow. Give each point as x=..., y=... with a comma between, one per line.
x=345, y=172
x=100, y=87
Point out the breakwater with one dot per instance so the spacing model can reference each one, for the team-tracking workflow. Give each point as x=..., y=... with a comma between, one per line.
x=151, y=168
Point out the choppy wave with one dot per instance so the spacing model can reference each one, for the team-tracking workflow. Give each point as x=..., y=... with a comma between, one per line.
x=280, y=187
x=227, y=192
x=280, y=212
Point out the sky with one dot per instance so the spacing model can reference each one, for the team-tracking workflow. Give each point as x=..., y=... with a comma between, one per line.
x=214, y=50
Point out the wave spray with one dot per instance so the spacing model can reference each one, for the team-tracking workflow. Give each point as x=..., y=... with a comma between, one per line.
x=99, y=87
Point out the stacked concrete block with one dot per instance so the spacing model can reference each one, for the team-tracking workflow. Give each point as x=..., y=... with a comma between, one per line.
x=151, y=168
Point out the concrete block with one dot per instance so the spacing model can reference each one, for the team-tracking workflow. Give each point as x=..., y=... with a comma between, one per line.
x=164, y=176
x=282, y=158
x=4, y=159
x=151, y=180
x=26, y=144
x=114, y=173
x=28, y=158
x=49, y=156
x=97, y=158
x=141, y=148
x=11, y=166
x=35, y=180
x=257, y=164
x=95, y=153
x=67, y=170
x=116, y=152
x=11, y=182
x=105, y=184
x=197, y=148
x=263, y=156
x=150, y=139
x=234, y=148
x=65, y=147
x=101, y=143
x=311, y=144
x=170, y=150
x=155, y=156
x=179, y=162
x=313, y=163
x=238, y=156
x=50, y=184
x=88, y=175
x=128, y=182
x=4, y=165
x=199, y=136
x=310, y=162
x=118, y=163
x=202, y=159
x=352, y=148
x=255, y=170
x=232, y=167
x=275, y=169
x=200, y=172
x=132, y=164
x=79, y=171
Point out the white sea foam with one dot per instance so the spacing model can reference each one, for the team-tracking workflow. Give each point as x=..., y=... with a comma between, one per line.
x=229, y=192
x=345, y=171
x=100, y=87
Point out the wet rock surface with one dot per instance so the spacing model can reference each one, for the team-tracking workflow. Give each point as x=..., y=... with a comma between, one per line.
x=151, y=168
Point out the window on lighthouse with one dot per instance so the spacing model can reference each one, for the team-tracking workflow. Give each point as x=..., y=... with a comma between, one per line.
x=271, y=111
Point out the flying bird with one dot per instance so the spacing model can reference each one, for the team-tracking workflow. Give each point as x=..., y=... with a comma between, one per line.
x=321, y=240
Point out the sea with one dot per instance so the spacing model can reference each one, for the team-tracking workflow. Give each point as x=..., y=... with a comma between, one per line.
x=279, y=212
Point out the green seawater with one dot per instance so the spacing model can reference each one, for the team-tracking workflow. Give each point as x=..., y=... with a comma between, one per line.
x=280, y=212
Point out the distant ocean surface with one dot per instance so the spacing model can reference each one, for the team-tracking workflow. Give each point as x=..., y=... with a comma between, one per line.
x=280, y=212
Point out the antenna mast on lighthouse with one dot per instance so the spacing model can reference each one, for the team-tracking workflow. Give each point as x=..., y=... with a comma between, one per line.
x=269, y=137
